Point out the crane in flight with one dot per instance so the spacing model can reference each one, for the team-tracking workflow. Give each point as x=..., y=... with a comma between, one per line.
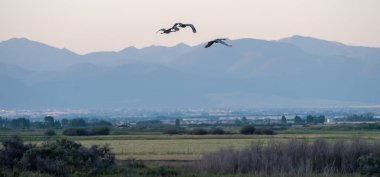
x=183, y=25
x=220, y=41
x=176, y=27
x=167, y=31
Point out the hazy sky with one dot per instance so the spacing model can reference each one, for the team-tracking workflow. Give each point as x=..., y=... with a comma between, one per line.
x=98, y=25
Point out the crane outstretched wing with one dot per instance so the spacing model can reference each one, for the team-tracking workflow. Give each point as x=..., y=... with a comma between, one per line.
x=209, y=44
x=163, y=29
x=174, y=29
x=192, y=27
x=177, y=24
x=222, y=42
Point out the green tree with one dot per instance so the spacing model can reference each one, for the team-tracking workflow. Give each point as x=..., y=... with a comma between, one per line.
x=199, y=131
x=21, y=123
x=247, y=129
x=217, y=131
x=65, y=122
x=244, y=120
x=298, y=120
x=78, y=122
x=238, y=122
x=50, y=132
x=369, y=165
x=177, y=122
x=283, y=120
x=321, y=119
x=57, y=124
x=49, y=121
x=309, y=119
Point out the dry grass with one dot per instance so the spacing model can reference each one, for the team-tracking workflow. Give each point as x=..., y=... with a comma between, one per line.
x=167, y=149
x=295, y=157
x=189, y=147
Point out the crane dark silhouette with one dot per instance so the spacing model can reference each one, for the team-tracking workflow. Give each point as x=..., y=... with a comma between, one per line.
x=182, y=25
x=220, y=41
x=167, y=31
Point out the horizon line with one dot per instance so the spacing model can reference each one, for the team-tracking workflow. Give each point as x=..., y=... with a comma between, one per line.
x=181, y=43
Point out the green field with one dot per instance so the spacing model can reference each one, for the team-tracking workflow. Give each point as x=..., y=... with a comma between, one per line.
x=187, y=147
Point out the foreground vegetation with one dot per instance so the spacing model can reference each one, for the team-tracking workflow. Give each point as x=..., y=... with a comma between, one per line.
x=101, y=149
x=186, y=147
x=295, y=157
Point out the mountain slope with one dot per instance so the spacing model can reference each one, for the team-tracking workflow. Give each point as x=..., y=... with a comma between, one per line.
x=34, y=55
x=296, y=71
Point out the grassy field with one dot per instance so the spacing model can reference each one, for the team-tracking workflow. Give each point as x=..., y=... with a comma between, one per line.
x=187, y=147
x=190, y=147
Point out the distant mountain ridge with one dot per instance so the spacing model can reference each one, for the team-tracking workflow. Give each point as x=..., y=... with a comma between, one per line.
x=292, y=72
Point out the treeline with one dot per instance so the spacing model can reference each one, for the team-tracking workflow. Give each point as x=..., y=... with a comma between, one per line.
x=310, y=119
x=90, y=131
x=49, y=123
x=358, y=118
x=159, y=126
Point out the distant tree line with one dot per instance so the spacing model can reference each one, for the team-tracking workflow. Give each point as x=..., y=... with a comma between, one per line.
x=89, y=131
x=49, y=123
x=250, y=129
x=359, y=118
x=310, y=119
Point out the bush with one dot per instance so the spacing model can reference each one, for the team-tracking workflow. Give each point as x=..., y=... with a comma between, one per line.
x=120, y=132
x=217, y=131
x=75, y=132
x=295, y=158
x=369, y=165
x=268, y=132
x=99, y=131
x=59, y=158
x=87, y=131
x=133, y=163
x=161, y=171
x=50, y=132
x=247, y=130
x=199, y=131
x=264, y=131
x=172, y=131
x=12, y=151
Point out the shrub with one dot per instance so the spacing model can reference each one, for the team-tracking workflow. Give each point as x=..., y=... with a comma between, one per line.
x=199, y=131
x=295, y=158
x=369, y=165
x=63, y=157
x=50, y=132
x=217, y=131
x=12, y=151
x=264, y=131
x=99, y=131
x=247, y=130
x=75, y=132
x=133, y=163
x=87, y=131
x=59, y=158
x=161, y=171
x=172, y=131
x=120, y=132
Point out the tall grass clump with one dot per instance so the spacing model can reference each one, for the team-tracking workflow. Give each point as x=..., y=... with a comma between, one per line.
x=294, y=157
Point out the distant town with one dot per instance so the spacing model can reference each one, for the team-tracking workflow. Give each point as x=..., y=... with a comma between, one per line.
x=198, y=116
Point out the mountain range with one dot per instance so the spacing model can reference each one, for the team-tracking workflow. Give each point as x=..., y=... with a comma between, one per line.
x=296, y=71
